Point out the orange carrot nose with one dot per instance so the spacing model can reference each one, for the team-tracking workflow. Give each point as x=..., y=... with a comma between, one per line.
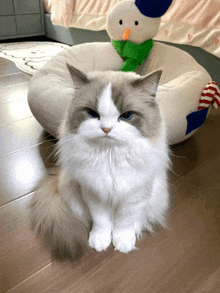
x=126, y=34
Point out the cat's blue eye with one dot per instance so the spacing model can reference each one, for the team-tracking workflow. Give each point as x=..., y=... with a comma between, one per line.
x=126, y=115
x=92, y=113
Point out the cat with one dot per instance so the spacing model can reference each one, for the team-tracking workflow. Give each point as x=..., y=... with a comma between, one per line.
x=113, y=162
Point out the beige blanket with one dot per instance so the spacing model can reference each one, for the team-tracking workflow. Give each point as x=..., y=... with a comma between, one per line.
x=84, y=14
x=190, y=22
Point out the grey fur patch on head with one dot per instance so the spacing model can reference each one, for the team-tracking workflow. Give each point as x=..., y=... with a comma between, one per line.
x=130, y=92
x=138, y=96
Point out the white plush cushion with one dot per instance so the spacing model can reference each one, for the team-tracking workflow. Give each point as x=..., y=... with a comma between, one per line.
x=181, y=84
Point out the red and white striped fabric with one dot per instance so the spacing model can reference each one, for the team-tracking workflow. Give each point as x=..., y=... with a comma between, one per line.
x=210, y=93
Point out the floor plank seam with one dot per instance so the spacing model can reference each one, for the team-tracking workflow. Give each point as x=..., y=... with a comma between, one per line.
x=14, y=287
x=12, y=85
x=13, y=73
x=92, y=271
x=5, y=124
x=23, y=149
x=15, y=100
x=16, y=199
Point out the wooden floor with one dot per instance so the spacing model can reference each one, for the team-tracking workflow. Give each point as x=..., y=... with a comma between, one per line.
x=183, y=259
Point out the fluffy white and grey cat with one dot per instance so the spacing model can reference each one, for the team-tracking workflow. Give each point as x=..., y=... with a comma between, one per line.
x=113, y=162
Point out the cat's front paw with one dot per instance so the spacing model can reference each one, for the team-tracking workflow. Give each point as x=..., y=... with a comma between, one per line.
x=124, y=240
x=100, y=240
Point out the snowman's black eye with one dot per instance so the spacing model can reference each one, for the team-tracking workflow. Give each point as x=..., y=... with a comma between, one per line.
x=120, y=22
x=136, y=22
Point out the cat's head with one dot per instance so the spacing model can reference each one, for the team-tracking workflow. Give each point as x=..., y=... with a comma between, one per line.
x=113, y=106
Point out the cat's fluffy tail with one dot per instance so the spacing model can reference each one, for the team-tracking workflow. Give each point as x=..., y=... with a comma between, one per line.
x=65, y=235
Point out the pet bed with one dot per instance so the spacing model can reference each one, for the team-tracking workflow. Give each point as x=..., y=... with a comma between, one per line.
x=181, y=85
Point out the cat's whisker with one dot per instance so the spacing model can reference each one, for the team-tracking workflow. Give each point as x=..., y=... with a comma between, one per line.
x=174, y=173
x=44, y=141
x=177, y=156
x=53, y=153
x=54, y=140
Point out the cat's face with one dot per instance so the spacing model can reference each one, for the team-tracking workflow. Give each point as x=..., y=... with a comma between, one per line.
x=113, y=107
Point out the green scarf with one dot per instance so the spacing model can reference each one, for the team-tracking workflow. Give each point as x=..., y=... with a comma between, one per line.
x=134, y=54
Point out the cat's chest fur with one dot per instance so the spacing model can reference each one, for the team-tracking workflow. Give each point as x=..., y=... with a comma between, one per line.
x=114, y=171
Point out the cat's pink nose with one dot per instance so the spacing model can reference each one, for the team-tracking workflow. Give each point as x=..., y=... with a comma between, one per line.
x=106, y=130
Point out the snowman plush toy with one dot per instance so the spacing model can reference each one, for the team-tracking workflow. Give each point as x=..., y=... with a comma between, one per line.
x=131, y=27
x=185, y=93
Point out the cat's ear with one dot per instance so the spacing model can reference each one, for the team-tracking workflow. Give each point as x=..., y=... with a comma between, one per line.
x=149, y=82
x=77, y=75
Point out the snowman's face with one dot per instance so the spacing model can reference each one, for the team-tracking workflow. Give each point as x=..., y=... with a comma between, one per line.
x=125, y=20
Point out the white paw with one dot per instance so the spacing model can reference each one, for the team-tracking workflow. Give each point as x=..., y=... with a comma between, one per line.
x=124, y=241
x=99, y=240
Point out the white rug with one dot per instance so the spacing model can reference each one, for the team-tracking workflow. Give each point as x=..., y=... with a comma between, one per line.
x=30, y=56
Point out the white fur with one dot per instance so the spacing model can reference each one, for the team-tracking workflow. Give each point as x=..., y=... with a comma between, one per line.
x=99, y=240
x=124, y=241
x=107, y=110
x=122, y=176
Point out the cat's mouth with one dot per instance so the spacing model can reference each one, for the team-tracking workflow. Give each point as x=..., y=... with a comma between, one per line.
x=104, y=139
x=107, y=138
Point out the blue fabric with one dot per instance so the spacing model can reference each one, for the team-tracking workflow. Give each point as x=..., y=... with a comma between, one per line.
x=196, y=119
x=153, y=8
